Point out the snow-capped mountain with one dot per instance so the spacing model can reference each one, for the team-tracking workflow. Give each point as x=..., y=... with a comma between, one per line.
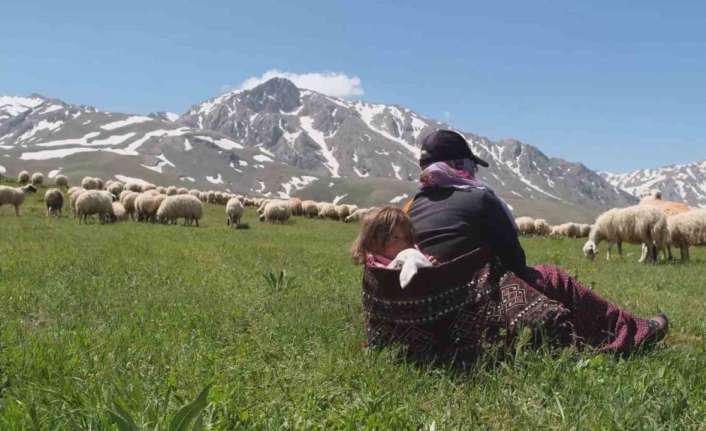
x=681, y=183
x=280, y=140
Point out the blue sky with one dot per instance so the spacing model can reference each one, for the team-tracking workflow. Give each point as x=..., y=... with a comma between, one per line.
x=617, y=87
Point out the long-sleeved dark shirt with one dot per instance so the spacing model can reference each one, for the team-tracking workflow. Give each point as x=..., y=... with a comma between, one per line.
x=450, y=222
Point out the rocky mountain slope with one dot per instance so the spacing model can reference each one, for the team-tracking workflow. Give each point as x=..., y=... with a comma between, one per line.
x=682, y=183
x=279, y=140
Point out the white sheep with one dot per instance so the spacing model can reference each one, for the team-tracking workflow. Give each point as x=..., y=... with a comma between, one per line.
x=147, y=204
x=276, y=211
x=15, y=196
x=54, y=201
x=90, y=183
x=584, y=230
x=541, y=227
x=295, y=204
x=23, y=177
x=635, y=225
x=182, y=191
x=37, y=179
x=570, y=229
x=525, y=225
x=144, y=187
x=74, y=193
x=61, y=181
x=115, y=187
x=178, y=206
x=119, y=212
x=91, y=202
x=171, y=191
x=327, y=210
x=342, y=211
x=127, y=198
x=310, y=209
x=687, y=229
x=234, y=212
x=358, y=214
x=133, y=187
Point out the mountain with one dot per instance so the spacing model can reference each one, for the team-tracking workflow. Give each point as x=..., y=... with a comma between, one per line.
x=681, y=183
x=280, y=140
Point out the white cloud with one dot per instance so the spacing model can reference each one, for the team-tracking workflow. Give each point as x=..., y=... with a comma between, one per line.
x=329, y=83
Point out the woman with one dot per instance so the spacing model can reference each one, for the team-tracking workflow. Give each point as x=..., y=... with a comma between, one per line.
x=458, y=219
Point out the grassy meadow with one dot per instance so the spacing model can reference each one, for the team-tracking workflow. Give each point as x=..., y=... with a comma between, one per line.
x=135, y=320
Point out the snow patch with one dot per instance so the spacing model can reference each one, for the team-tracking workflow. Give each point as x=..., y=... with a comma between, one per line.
x=54, y=172
x=187, y=145
x=338, y=199
x=307, y=123
x=54, y=154
x=296, y=183
x=262, y=158
x=398, y=199
x=126, y=122
x=397, y=171
x=215, y=180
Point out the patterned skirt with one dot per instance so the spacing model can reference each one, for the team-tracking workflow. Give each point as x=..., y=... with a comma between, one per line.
x=458, y=310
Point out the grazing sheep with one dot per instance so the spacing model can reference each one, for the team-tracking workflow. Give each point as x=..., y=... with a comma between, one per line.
x=636, y=225
x=133, y=187
x=195, y=193
x=358, y=214
x=54, y=201
x=147, y=204
x=61, y=181
x=295, y=204
x=171, y=190
x=571, y=230
x=37, y=179
x=276, y=211
x=145, y=187
x=90, y=183
x=23, y=177
x=178, y=206
x=525, y=225
x=327, y=210
x=687, y=229
x=541, y=227
x=15, y=196
x=584, y=230
x=74, y=193
x=127, y=198
x=119, y=213
x=91, y=202
x=234, y=212
x=211, y=197
x=310, y=209
x=115, y=187
x=182, y=191
x=352, y=208
x=342, y=212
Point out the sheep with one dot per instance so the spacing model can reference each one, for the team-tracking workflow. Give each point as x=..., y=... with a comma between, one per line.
x=358, y=214
x=276, y=211
x=61, y=181
x=171, y=191
x=211, y=197
x=92, y=202
x=133, y=187
x=295, y=204
x=115, y=187
x=182, y=191
x=74, y=193
x=23, y=177
x=687, y=229
x=185, y=206
x=15, y=196
x=119, y=213
x=100, y=182
x=147, y=204
x=145, y=187
x=54, y=201
x=234, y=212
x=342, y=212
x=541, y=227
x=90, y=183
x=636, y=224
x=37, y=179
x=571, y=230
x=327, y=210
x=161, y=190
x=525, y=225
x=310, y=209
x=127, y=198
x=195, y=193
x=352, y=208
x=584, y=230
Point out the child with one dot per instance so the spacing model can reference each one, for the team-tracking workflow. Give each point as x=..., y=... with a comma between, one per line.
x=386, y=240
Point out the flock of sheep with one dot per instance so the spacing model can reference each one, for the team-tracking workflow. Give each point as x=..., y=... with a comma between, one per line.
x=114, y=201
x=656, y=224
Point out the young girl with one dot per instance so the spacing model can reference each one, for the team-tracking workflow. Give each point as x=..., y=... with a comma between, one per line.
x=386, y=240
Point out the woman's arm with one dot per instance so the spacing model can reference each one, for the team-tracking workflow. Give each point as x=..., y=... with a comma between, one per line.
x=500, y=234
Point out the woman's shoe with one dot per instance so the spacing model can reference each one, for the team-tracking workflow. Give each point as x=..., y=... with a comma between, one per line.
x=659, y=326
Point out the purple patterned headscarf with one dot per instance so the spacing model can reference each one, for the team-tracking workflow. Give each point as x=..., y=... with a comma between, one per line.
x=458, y=174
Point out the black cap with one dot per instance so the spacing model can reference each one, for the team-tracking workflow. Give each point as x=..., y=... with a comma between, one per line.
x=446, y=145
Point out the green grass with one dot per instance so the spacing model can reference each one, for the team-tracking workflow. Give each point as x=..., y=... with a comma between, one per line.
x=149, y=315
